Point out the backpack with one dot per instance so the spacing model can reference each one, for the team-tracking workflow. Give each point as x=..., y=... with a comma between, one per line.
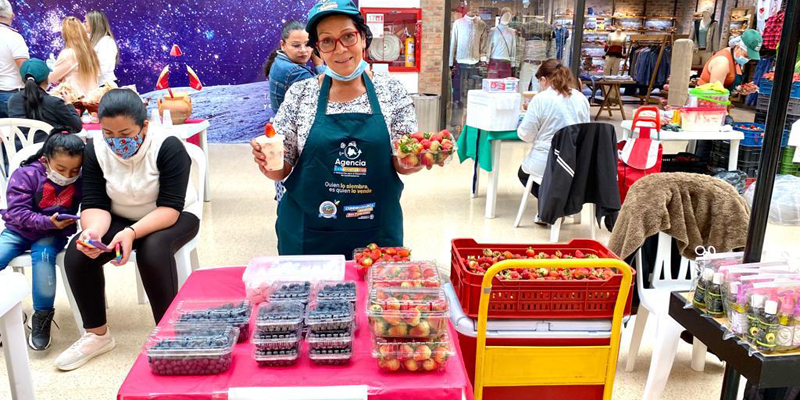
x=642, y=156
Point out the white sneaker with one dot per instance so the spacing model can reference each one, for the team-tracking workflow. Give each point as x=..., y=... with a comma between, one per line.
x=86, y=348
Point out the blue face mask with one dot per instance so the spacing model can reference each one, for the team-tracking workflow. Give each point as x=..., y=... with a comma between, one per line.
x=741, y=60
x=126, y=147
x=356, y=74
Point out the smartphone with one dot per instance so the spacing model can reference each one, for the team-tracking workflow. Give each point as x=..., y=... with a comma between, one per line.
x=62, y=217
x=94, y=244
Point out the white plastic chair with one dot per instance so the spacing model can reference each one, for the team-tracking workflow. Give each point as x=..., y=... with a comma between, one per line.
x=655, y=301
x=11, y=129
x=14, y=288
x=555, y=229
x=186, y=260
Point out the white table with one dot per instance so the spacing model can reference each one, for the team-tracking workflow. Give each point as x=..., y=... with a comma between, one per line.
x=733, y=136
x=492, y=112
x=184, y=132
x=14, y=288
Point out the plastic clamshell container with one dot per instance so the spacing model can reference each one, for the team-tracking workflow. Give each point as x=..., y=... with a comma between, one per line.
x=329, y=340
x=584, y=299
x=198, y=350
x=332, y=290
x=290, y=291
x=279, y=358
x=262, y=272
x=233, y=312
x=426, y=157
x=281, y=316
x=276, y=340
x=412, y=355
x=408, y=312
x=695, y=119
x=321, y=357
x=405, y=274
x=330, y=315
x=385, y=254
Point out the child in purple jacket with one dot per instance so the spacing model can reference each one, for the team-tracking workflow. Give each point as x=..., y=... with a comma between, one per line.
x=44, y=186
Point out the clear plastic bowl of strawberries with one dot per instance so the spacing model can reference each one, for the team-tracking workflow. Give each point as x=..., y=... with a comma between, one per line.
x=425, y=149
x=396, y=312
x=412, y=355
x=409, y=274
x=366, y=257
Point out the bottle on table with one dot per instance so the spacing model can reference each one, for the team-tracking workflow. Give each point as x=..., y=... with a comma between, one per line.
x=713, y=296
x=703, y=281
x=738, y=310
x=755, y=309
x=796, y=339
x=768, y=330
x=785, y=335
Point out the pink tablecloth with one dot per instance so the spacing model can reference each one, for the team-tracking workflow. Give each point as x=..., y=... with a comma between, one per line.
x=362, y=370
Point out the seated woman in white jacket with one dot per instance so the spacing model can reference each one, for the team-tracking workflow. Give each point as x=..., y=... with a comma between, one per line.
x=104, y=45
x=558, y=105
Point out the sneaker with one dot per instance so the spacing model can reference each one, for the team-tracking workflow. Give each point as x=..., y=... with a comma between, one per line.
x=538, y=221
x=86, y=348
x=39, y=338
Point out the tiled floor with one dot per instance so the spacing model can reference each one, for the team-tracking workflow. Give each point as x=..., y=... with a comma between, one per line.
x=239, y=224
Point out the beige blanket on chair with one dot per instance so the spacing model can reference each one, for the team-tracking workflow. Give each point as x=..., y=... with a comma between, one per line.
x=696, y=210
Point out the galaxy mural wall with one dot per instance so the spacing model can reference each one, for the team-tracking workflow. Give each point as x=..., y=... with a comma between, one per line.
x=225, y=41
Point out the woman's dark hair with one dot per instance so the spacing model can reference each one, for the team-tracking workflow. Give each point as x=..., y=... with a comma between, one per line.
x=61, y=141
x=558, y=75
x=358, y=21
x=288, y=28
x=122, y=102
x=32, y=99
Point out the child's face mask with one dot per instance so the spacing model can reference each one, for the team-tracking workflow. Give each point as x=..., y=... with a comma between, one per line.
x=59, y=179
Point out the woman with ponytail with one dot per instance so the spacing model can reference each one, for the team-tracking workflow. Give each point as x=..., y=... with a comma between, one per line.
x=34, y=103
x=288, y=64
x=558, y=105
x=42, y=195
x=76, y=65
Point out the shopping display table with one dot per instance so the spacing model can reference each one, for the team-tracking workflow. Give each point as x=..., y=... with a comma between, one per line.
x=733, y=136
x=766, y=372
x=194, y=131
x=612, y=96
x=221, y=283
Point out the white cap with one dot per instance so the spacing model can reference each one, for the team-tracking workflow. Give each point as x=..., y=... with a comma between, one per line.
x=708, y=274
x=757, y=300
x=718, y=278
x=771, y=307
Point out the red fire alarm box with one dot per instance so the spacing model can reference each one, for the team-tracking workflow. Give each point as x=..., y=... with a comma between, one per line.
x=396, y=37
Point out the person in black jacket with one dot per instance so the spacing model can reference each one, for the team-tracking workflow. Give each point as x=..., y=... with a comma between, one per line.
x=34, y=103
x=581, y=168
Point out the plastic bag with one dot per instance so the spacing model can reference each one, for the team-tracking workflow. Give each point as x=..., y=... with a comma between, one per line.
x=735, y=178
x=785, y=206
x=708, y=259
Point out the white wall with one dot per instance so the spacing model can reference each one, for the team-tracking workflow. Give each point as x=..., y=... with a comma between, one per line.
x=410, y=79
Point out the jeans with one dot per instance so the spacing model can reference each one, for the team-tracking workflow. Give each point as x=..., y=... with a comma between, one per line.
x=4, y=96
x=43, y=259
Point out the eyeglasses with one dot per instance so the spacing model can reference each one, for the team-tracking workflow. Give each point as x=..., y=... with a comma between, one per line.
x=328, y=45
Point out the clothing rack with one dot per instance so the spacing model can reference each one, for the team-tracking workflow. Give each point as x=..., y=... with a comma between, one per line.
x=660, y=40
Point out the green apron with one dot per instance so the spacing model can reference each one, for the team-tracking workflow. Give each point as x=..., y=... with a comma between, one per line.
x=343, y=192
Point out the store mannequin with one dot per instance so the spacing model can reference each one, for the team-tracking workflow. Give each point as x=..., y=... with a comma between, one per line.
x=702, y=34
x=537, y=34
x=467, y=48
x=615, y=51
x=502, y=48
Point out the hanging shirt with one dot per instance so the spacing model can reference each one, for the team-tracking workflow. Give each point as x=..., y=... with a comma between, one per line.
x=764, y=10
x=772, y=31
x=502, y=44
x=468, y=40
x=547, y=113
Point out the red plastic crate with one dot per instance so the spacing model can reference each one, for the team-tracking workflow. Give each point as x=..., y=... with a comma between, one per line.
x=583, y=299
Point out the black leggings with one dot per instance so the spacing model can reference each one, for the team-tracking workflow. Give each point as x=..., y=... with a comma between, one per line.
x=155, y=258
x=523, y=177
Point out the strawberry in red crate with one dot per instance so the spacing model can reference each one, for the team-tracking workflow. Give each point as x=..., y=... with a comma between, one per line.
x=366, y=257
x=479, y=265
x=426, y=149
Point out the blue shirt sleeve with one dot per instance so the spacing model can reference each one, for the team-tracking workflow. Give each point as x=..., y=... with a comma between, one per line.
x=297, y=74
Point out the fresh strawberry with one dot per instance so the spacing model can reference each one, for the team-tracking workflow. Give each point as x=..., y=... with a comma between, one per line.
x=579, y=254
x=530, y=252
x=426, y=144
x=418, y=136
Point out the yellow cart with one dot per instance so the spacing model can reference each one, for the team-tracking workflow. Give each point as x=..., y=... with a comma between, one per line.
x=497, y=366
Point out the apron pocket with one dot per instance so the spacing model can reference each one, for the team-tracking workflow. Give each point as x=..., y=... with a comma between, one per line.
x=338, y=241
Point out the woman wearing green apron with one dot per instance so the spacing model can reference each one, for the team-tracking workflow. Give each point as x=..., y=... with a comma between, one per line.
x=341, y=179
